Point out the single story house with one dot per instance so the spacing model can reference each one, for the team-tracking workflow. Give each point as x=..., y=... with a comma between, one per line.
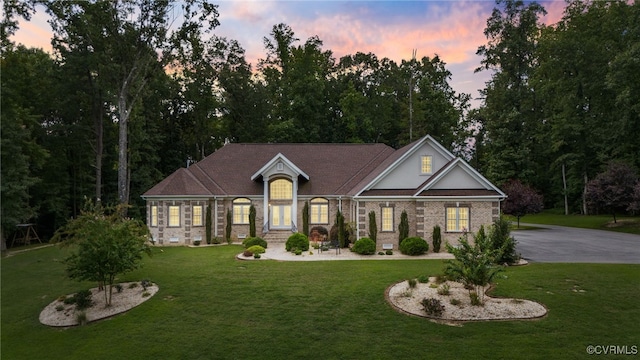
x=423, y=178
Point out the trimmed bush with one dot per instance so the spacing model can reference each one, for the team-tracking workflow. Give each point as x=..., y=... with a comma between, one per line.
x=437, y=238
x=432, y=307
x=256, y=249
x=247, y=253
x=364, y=246
x=297, y=241
x=251, y=241
x=414, y=246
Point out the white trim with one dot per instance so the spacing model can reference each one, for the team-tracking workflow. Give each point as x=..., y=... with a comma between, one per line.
x=467, y=168
x=274, y=161
x=436, y=145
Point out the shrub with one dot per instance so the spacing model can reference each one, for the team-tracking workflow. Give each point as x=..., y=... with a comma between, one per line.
x=373, y=227
x=455, y=302
x=475, y=299
x=81, y=318
x=252, y=221
x=502, y=241
x=251, y=241
x=59, y=307
x=403, y=227
x=412, y=283
x=297, y=252
x=444, y=289
x=247, y=253
x=82, y=299
x=146, y=294
x=256, y=256
x=364, y=246
x=196, y=242
x=118, y=288
x=414, y=246
x=256, y=249
x=145, y=284
x=423, y=279
x=389, y=252
x=437, y=238
x=133, y=285
x=380, y=252
x=297, y=241
x=433, y=307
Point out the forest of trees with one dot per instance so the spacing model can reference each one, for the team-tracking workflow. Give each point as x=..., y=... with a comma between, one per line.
x=132, y=92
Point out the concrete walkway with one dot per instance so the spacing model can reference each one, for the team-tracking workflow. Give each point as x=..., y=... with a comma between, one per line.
x=553, y=243
x=276, y=251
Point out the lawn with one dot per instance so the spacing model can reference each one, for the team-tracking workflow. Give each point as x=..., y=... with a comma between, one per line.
x=626, y=224
x=211, y=306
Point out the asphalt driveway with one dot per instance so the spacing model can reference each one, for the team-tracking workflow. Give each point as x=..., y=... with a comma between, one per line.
x=553, y=243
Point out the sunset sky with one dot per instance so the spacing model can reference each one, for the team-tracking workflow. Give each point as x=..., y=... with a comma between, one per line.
x=392, y=29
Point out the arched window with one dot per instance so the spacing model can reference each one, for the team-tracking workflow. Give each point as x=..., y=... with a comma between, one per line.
x=281, y=189
x=241, y=210
x=319, y=211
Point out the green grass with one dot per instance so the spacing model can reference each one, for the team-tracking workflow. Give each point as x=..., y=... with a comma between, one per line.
x=626, y=224
x=211, y=306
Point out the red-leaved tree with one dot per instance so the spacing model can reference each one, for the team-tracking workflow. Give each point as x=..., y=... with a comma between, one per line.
x=521, y=200
x=612, y=190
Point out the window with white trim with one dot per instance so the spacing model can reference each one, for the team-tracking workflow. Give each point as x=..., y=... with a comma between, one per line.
x=197, y=215
x=319, y=211
x=426, y=164
x=153, y=221
x=241, y=211
x=281, y=189
x=174, y=216
x=457, y=219
x=387, y=218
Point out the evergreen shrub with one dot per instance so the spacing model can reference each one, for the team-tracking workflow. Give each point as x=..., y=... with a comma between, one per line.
x=364, y=246
x=256, y=249
x=251, y=241
x=414, y=246
x=297, y=241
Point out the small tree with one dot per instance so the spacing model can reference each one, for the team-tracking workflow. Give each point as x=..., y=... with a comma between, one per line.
x=502, y=242
x=227, y=229
x=105, y=246
x=252, y=221
x=341, y=229
x=521, y=200
x=612, y=190
x=403, y=227
x=373, y=227
x=437, y=238
x=207, y=224
x=305, y=218
x=634, y=207
x=474, y=265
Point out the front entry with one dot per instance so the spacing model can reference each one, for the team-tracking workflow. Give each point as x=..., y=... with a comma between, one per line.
x=281, y=216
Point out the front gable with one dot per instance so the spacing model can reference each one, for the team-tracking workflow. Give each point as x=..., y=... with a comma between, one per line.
x=277, y=166
x=406, y=172
x=458, y=175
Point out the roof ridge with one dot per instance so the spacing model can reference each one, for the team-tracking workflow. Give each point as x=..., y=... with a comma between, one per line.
x=208, y=177
x=364, y=167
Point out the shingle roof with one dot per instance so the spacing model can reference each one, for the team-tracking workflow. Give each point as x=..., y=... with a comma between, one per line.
x=333, y=169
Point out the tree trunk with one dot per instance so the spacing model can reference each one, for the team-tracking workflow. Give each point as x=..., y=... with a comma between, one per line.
x=585, y=211
x=564, y=190
x=98, y=121
x=123, y=191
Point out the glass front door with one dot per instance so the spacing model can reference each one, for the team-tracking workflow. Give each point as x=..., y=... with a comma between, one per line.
x=281, y=216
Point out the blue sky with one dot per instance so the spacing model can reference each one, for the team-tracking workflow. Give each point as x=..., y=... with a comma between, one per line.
x=393, y=29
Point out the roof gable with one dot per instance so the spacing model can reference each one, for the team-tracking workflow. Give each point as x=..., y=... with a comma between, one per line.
x=458, y=175
x=402, y=169
x=181, y=182
x=279, y=164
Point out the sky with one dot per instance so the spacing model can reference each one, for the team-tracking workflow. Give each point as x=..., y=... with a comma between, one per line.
x=393, y=29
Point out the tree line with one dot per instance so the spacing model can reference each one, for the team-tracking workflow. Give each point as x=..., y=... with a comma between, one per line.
x=135, y=89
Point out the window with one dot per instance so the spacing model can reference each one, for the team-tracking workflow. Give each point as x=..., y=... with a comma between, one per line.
x=281, y=189
x=387, y=219
x=196, y=213
x=457, y=219
x=241, y=211
x=174, y=216
x=154, y=215
x=319, y=211
x=427, y=164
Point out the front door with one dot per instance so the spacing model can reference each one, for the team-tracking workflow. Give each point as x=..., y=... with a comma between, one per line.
x=281, y=216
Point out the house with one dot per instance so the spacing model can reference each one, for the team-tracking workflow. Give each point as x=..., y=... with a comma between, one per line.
x=423, y=178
